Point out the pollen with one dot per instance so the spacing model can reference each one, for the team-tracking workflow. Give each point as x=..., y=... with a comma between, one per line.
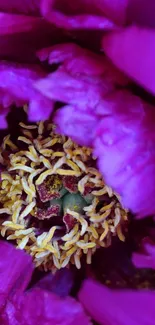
x=54, y=203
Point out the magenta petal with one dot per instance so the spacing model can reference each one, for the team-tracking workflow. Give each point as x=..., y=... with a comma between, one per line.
x=42, y=307
x=12, y=23
x=40, y=109
x=146, y=258
x=60, y=283
x=78, y=125
x=139, y=44
x=111, y=307
x=80, y=15
x=82, y=79
x=76, y=60
x=15, y=270
x=30, y=7
x=17, y=86
x=125, y=147
x=143, y=261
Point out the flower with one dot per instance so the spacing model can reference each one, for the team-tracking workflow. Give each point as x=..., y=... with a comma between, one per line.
x=35, y=305
x=54, y=201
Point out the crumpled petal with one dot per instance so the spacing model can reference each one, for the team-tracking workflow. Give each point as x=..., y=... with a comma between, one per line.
x=82, y=78
x=17, y=86
x=78, y=125
x=35, y=306
x=125, y=148
x=121, y=307
x=86, y=14
x=15, y=271
x=41, y=307
x=76, y=60
x=133, y=50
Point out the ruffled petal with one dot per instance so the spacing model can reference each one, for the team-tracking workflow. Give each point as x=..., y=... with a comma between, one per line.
x=17, y=86
x=78, y=125
x=42, y=307
x=79, y=62
x=113, y=307
x=82, y=79
x=124, y=145
x=84, y=14
x=137, y=44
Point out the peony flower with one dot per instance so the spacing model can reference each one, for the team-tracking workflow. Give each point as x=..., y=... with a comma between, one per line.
x=54, y=202
x=35, y=305
x=65, y=189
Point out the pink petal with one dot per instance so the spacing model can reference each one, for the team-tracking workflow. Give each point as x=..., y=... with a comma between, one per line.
x=30, y=7
x=124, y=145
x=20, y=41
x=117, y=307
x=60, y=283
x=15, y=270
x=78, y=15
x=78, y=125
x=12, y=23
x=17, y=86
x=143, y=261
x=137, y=44
x=76, y=60
x=42, y=307
x=146, y=258
x=82, y=79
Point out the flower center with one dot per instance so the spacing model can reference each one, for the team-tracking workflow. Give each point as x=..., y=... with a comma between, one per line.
x=54, y=202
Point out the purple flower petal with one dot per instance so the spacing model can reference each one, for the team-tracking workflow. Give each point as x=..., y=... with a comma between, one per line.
x=139, y=44
x=15, y=270
x=82, y=79
x=145, y=258
x=125, y=147
x=143, y=261
x=42, y=307
x=17, y=86
x=78, y=125
x=30, y=7
x=12, y=23
x=114, y=307
x=61, y=283
x=76, y=60
x=84, y=14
